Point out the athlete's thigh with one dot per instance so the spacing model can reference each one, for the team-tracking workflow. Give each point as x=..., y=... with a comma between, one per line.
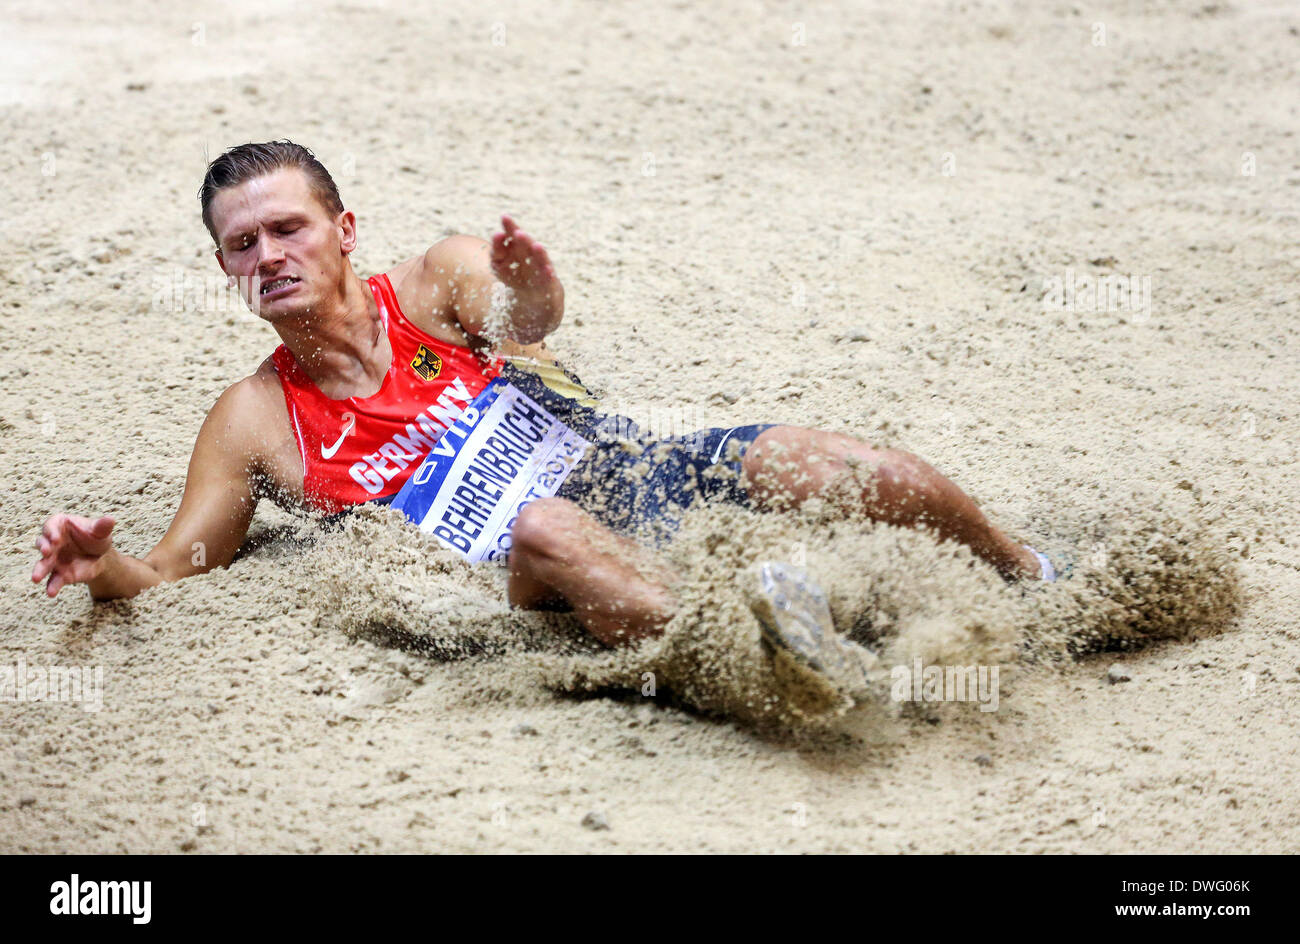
x=798, y=460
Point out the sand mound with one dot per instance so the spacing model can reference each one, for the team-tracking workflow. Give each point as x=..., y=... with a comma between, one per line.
x=1155, y=565
x=1151, y=568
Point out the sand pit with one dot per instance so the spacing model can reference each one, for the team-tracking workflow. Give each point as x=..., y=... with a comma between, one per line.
x=908, y=225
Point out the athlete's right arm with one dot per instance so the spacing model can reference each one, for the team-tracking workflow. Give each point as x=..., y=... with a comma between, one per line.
x=216, y=510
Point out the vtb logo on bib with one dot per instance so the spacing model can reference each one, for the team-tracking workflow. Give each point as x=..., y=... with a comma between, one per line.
x=426, y=363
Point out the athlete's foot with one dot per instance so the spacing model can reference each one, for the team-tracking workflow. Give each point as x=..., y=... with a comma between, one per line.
x=1048, y=570
x=1042, y=565
x=795, y=619
x=1021, y=563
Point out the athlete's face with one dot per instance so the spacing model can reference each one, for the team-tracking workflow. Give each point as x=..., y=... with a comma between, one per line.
x=287, y=252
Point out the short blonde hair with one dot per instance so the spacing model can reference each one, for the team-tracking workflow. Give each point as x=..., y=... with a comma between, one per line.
x=246, y=162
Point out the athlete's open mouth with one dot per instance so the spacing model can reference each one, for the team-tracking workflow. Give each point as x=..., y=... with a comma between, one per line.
x=274, y=285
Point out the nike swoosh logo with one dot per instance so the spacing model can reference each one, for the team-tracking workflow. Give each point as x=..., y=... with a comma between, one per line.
x=717, y=452
x=349, y=422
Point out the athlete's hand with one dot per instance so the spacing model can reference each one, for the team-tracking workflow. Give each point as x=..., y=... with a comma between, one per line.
x=520, y=261
x=72, y=550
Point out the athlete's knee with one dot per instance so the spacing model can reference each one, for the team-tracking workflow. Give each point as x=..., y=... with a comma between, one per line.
x=890, y=477
x=899, y=469
x=544, y=526
x=907, y=489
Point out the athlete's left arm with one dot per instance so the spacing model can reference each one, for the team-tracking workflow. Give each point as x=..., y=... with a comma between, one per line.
x=505, y=290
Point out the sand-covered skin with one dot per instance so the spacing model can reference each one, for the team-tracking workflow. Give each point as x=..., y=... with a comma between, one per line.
x=850, y=233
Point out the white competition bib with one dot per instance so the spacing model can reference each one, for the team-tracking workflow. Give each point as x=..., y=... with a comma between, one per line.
x=504, y=452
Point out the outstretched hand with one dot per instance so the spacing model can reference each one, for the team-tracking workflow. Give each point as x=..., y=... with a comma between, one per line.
x=520, y=261
x=72, y=550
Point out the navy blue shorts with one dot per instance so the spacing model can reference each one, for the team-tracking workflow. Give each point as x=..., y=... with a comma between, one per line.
x=640, y=485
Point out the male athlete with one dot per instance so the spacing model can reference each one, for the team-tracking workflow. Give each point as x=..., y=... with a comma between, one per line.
x=372, y=371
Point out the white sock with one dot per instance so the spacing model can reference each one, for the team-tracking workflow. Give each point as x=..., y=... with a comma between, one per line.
x=1047, y=570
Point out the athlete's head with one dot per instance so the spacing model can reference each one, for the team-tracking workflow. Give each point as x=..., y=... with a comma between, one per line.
x=280, y=228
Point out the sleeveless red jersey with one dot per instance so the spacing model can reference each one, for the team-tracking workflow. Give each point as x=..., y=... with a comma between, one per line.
x=362, y=448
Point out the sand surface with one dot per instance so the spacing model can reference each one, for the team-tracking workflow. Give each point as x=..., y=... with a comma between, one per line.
x=836, y=215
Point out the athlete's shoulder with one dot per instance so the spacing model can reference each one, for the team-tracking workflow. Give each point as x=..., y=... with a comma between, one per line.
x=247, y=432
x=261, y=384
x=423, y=286
x=451, y=252
x=426, y=287
x=249, y=408
x=454, y=262
x=450, y=262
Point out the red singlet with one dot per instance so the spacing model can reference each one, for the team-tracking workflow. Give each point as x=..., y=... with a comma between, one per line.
x=362, y=448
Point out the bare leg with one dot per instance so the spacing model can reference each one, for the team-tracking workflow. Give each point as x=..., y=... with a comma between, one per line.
x=787, y=465
x=617, y=588
x=620, y=592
